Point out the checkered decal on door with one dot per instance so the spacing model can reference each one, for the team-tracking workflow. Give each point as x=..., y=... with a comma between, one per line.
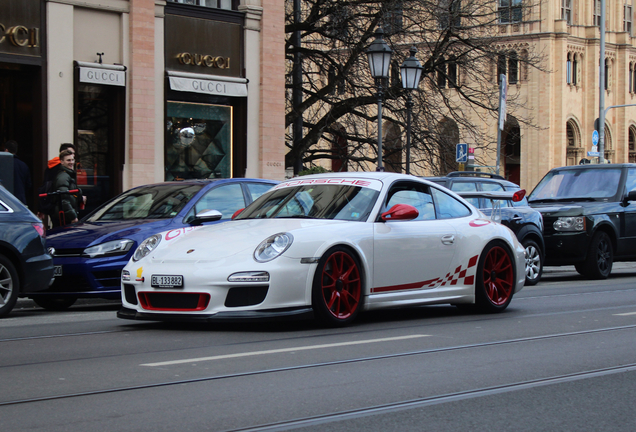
x=459, y=274
x=463, y=275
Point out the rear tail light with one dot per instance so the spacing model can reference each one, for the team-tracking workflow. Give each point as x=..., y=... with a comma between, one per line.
x=39, y=227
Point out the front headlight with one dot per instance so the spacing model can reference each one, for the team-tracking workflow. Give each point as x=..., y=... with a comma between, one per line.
x=570, y=223
x=273, y=246
x=146, y=247
x=115, y=247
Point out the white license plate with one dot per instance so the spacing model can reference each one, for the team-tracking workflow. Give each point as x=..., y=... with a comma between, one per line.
x=57, y=271
x=166, y=281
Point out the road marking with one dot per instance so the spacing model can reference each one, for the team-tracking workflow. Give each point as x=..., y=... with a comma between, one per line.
x=625, y=314
x=283, y=350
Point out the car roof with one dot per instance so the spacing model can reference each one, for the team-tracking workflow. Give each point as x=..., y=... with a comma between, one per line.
x=595, y=166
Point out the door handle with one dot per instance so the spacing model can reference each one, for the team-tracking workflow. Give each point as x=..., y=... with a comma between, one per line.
x=517, y=218
x=448, y=239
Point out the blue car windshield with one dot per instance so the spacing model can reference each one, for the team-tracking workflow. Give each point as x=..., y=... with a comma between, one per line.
x=337, y=202
x=569, y=184
x=161, y=201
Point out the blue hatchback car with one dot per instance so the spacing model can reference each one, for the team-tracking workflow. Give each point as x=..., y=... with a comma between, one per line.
x=89, y=256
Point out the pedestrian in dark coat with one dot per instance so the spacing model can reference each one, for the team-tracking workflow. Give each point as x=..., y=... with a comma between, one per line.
x=67, y=207
x=21, y=173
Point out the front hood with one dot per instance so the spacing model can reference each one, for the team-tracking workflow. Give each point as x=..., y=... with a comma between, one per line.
x=88, y=234
x=575, y=209
x=216, y=242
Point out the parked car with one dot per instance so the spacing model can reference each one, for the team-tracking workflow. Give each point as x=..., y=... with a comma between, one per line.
x=328, y=246
x=90, y=255
x=481, y=190
x=25, y=264
x=590, y=216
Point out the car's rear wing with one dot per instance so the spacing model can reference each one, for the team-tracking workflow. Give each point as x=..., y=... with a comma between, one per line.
x=495, y=199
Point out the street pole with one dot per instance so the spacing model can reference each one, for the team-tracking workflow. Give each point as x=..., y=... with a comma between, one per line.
x=380, y=96
x=601, y=99
x=503, y=90
x=409, y=107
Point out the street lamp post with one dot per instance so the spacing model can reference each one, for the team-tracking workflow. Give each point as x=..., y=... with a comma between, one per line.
x=379, y=56
x=411, y=71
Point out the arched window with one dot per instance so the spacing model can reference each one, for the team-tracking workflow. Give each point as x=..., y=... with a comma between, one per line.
x=448, y=138
x=441, y=74
x=452, y=73
x=513, y=68
x=568, y=69
x=631, y=140
x=501, y=66
x=574, y=152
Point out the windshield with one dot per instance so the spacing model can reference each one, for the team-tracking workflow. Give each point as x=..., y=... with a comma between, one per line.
x=160, y=201
x=577, y=184
x=338, y=202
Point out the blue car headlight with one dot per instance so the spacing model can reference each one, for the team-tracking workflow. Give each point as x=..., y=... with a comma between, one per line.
x=273, y=246
x=115, y=247
x=146, y=247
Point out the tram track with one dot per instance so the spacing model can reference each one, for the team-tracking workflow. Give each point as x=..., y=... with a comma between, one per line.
x=138, y=387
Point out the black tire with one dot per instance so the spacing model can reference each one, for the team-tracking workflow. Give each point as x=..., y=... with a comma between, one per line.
x=495, y=278
x=9, y=286
x=534, y=261
x=338, y=288
x=600, y=257
x=55, y=303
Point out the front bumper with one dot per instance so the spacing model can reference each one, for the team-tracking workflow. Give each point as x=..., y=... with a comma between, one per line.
x=565, y=248
x=227, y=316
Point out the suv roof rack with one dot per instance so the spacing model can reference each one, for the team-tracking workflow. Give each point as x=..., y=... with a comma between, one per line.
x=474, y=174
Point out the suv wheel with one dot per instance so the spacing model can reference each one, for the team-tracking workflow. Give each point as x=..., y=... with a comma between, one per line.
x=534, y=261
x=600, y=257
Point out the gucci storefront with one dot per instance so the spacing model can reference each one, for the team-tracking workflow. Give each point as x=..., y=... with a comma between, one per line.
x=21, y=82
x=206, y=95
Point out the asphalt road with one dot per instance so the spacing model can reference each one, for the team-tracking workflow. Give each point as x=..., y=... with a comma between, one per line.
x=562, y=357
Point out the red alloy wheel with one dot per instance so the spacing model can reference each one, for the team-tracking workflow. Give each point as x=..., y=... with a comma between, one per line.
x=498, y=276
x=341, y=285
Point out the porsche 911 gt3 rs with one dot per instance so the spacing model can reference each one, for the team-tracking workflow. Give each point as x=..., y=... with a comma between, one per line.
x=329, y=246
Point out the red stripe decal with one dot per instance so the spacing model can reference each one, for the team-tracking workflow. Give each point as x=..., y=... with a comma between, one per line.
x=414, y=285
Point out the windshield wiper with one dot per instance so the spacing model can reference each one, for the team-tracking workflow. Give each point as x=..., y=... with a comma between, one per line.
x=295, y=217
x=560, y=199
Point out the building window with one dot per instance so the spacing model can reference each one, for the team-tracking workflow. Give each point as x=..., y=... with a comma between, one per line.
x=513, y=68
x=510, y=11
x=219, y=4
x=597, y=13
x=450, y=14
x=571, y=69
x=633, y=75
x=566, y=11
x=441, y=73
x=452, y=73
x=627, y=19
x=607, y=74
x=394, y=17
x=630, y=81
x=501, y=66
x=632, y=139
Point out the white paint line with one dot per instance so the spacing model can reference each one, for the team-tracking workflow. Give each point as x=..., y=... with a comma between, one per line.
x=283, y=350
x=626, y=314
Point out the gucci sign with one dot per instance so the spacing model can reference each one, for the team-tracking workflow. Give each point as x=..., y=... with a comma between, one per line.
x=20, y=36
x=204, y=60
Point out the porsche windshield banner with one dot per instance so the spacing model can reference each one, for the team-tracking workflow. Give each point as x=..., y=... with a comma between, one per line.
x=333, y=181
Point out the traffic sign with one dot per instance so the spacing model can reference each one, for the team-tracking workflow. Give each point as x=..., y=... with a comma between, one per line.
x=595, y=138
x=593, y=154
x=461, y=154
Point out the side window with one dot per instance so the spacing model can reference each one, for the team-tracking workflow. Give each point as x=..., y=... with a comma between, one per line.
x=491, y=187
x=258, y=189
x=226, y=199
x=447, y=206
x=630, y=183
x=413, y=194
x=466, y=187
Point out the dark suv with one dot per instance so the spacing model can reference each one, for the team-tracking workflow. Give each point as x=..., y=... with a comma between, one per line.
x=524, y=221
x=589, y=216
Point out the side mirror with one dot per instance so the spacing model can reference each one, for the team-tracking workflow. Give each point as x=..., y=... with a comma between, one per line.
x=206, y=216
x=631, y=196
x=400, y=212
x=236, y=213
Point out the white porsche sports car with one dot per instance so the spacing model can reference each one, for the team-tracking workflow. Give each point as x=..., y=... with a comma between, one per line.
x=328, y=245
